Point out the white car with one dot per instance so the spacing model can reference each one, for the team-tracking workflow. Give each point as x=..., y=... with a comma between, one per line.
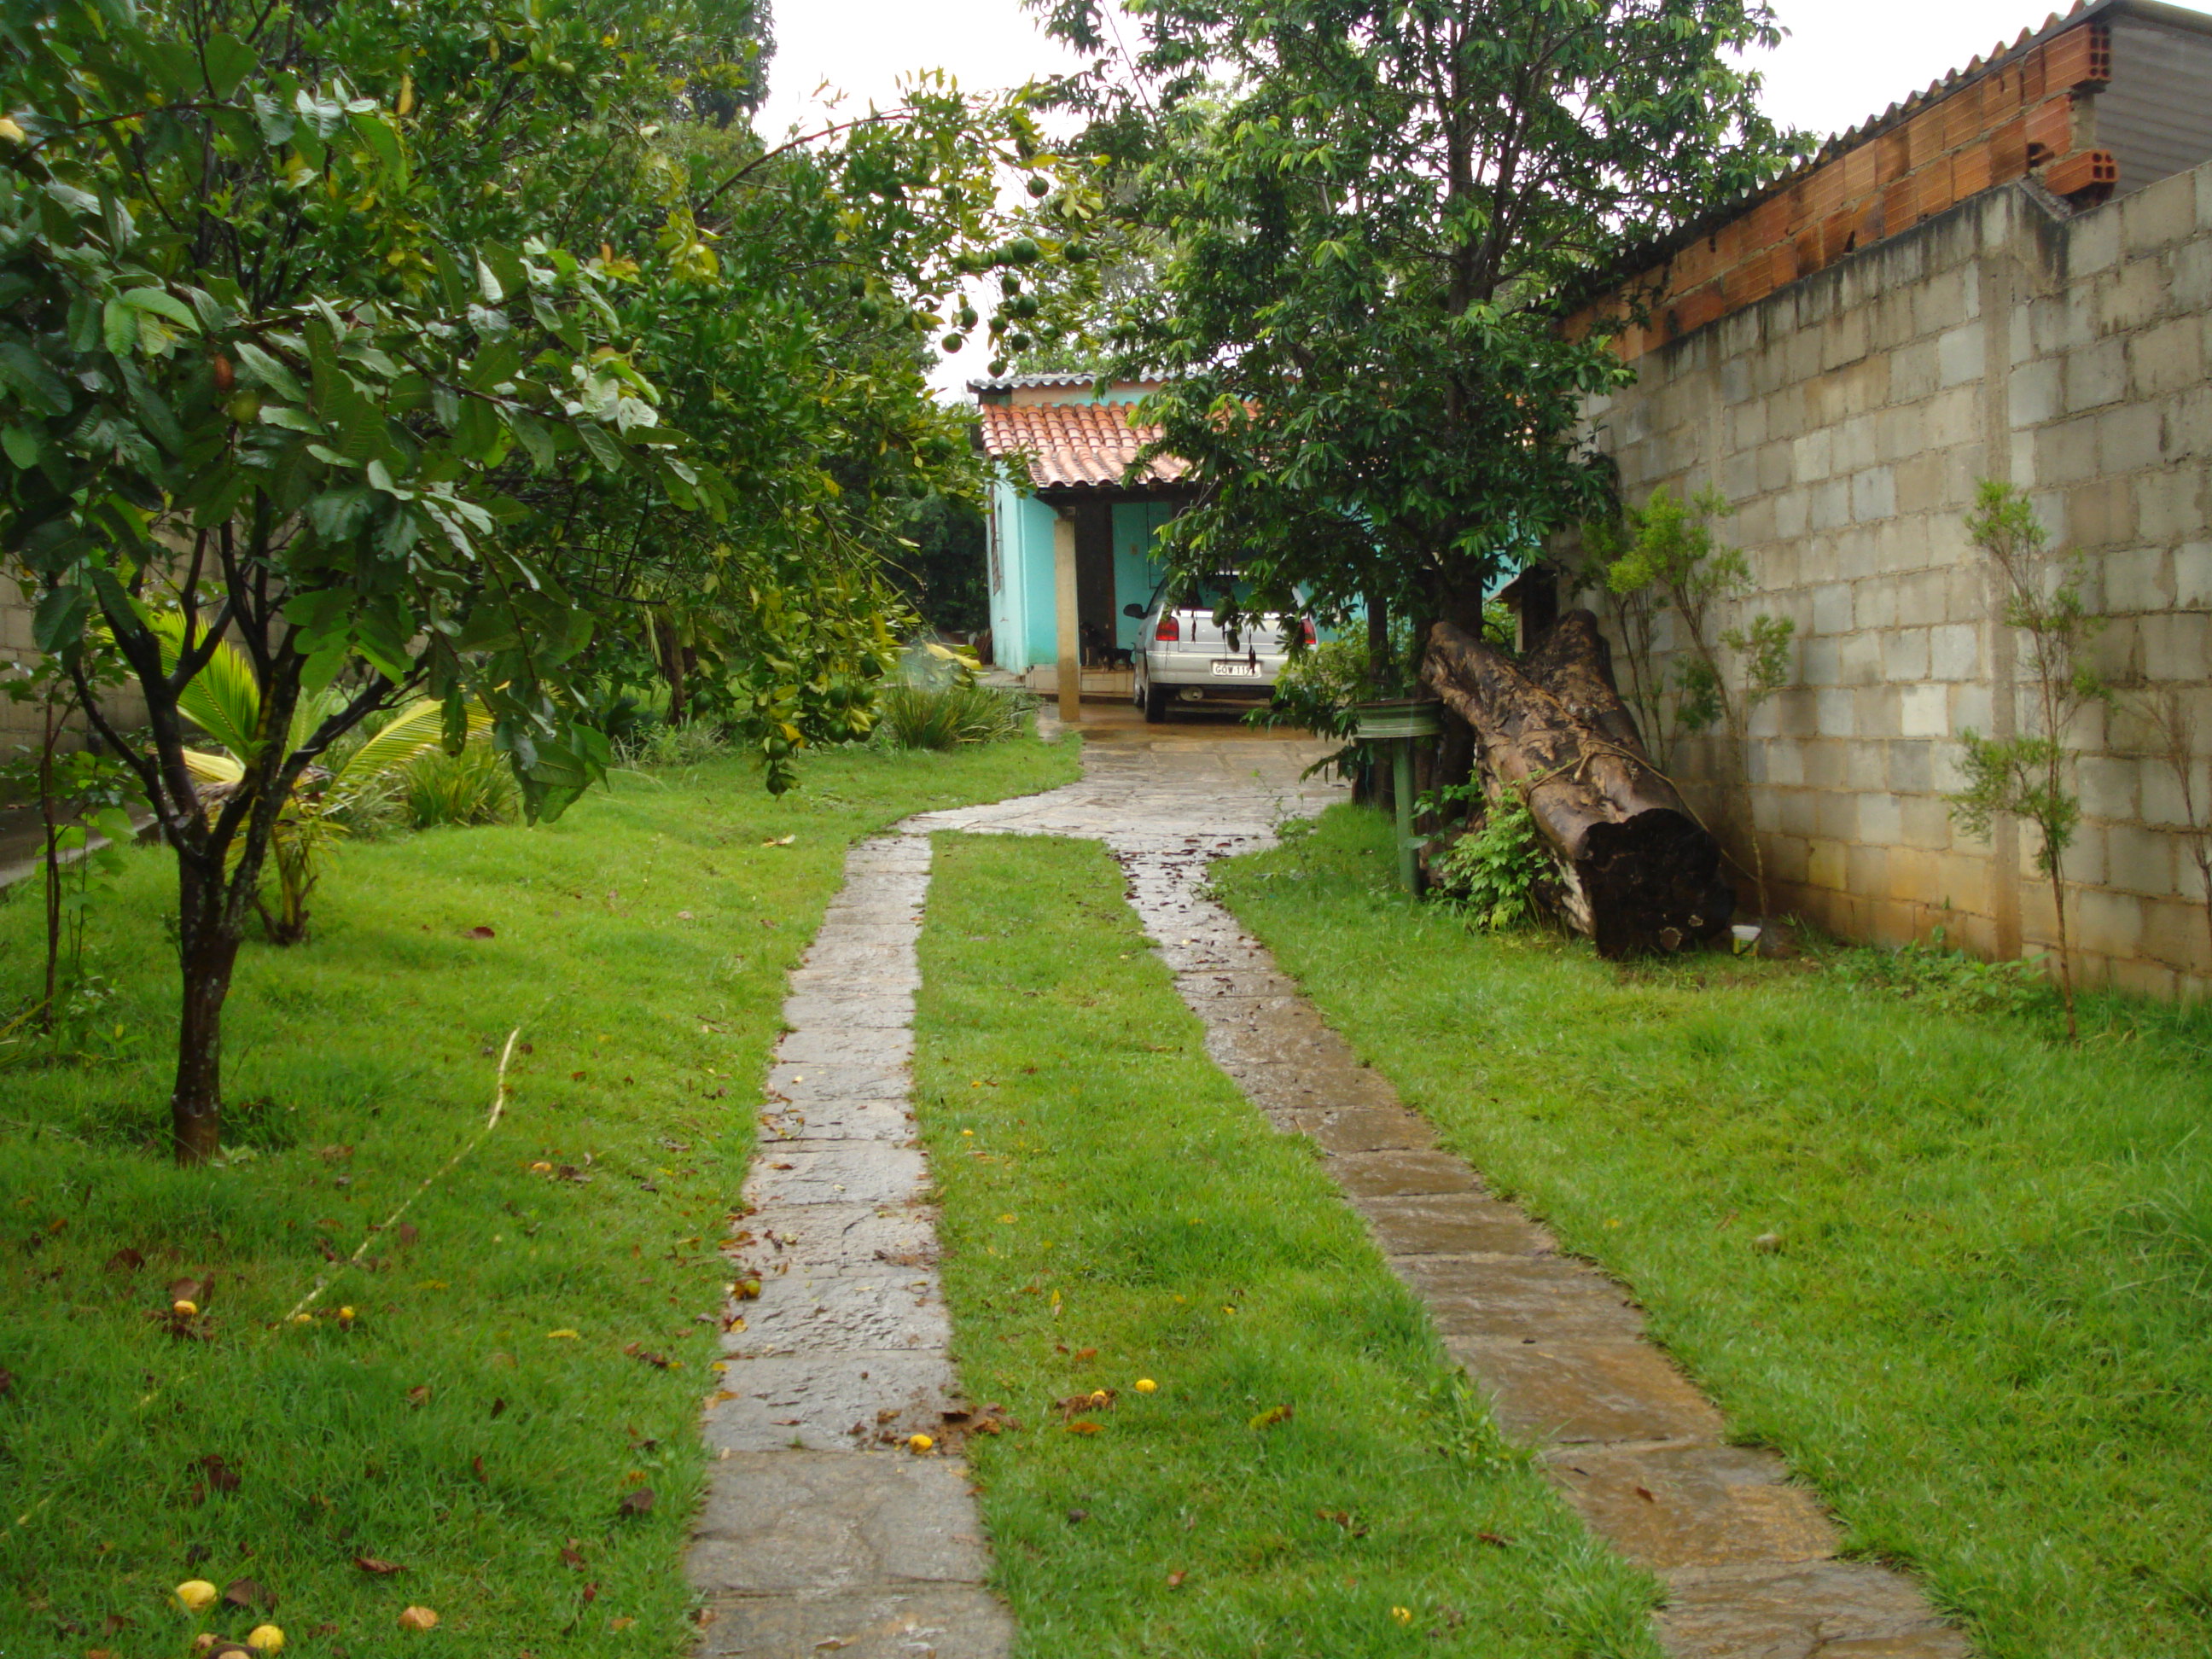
x=1185, y=659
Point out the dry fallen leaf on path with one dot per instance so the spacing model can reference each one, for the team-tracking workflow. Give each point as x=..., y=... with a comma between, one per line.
x=1085, y=1425
x=419, y=1395
x=377, y=1566
x=481, y=932
x=1174, y=1579
x=1269, y=1418
x=785, y=841
x=248, y=1593
x=417, y=1619
x=637, y=1501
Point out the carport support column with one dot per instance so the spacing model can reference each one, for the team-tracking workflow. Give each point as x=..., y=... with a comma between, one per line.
x=1067, y=623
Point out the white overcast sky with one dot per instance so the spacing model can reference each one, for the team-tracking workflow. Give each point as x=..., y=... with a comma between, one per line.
x=1842, y=62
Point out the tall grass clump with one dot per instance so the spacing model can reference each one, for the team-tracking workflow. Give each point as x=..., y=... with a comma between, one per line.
x=950, y=716
x=682, y=743
x=474, y=786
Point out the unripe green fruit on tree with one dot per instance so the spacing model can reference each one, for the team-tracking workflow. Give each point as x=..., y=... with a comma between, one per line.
x=998, y=366
x=1039, y=186
x=244, y=407
x=952, y=343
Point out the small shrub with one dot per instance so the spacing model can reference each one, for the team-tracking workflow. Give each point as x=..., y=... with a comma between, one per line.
x=949, y=716
x=474, y=786
x=684, y=744
x=1947, y=977
x=1495, y=873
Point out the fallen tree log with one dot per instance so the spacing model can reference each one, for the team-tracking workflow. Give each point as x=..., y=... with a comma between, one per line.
x=1641, y=874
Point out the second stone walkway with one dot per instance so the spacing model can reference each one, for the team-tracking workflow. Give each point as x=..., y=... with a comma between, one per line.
x=1748, y=1558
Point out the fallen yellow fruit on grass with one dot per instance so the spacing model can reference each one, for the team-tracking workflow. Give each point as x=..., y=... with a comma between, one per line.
x=196, y=1593
x=1403, y=1616
x=265, y=1639
x=919, y=1443
x=1145, y=1385
x=418, y=1619
x=183, y=1309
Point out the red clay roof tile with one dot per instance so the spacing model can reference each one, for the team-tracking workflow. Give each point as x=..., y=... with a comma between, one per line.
x=1080, y=446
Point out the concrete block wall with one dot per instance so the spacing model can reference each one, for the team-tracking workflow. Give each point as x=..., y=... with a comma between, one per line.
x=23, y=724
x=1847, y=418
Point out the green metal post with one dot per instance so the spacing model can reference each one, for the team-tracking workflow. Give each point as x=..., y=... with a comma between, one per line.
x=1402, y=780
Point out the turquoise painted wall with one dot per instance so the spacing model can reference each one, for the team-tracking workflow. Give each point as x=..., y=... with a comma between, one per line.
x=1041, y=626
x=1024, y=612
x=1136, y=571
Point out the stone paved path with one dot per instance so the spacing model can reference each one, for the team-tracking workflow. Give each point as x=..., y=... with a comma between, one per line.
x=809, y=1538
x=1748, y=1557
x=822, y=1533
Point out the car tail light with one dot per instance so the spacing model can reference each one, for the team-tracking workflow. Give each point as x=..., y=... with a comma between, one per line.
x=1307, y=626
x=1170, y=628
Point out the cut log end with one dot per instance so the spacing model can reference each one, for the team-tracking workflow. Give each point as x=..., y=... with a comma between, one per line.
x=1653, y=885
x=1643, y=875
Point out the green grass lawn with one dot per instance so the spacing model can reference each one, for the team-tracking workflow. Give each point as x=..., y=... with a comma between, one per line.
x=1988, y=1335
x=1308, y=1478
x=526, y=1352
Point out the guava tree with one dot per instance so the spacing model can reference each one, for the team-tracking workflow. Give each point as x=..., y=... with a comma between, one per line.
x=792, y=330
x=295, y=349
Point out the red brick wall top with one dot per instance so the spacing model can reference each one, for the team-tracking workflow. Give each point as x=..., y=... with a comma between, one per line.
x=2019, y=115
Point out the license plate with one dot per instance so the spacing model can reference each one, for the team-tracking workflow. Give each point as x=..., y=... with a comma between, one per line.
x=1234, y=668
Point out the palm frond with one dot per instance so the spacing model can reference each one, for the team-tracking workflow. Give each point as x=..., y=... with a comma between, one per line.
x=224, y=700
x=415, y=729
x=213, y=768
x=309, y=712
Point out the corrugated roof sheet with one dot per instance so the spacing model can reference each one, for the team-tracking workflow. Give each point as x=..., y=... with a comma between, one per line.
x=1074, y=446
x=1017, y=382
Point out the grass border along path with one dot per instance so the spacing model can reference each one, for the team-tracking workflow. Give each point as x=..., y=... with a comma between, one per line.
x=1984, y=1335
x=1308, y=1476
x=525, y=1358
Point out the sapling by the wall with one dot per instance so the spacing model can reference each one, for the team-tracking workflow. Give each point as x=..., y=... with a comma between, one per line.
x=2026, y=776
x=1634, y=615
x=2173, y=733
x=1721, y=675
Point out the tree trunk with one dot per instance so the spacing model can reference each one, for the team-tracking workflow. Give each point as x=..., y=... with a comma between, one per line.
x=1573, y=662
x=670, y=649
x=53, y=872
x=1641, y=874
x=208, y=954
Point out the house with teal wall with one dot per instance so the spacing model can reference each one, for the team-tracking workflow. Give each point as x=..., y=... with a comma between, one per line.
x=1069, y=520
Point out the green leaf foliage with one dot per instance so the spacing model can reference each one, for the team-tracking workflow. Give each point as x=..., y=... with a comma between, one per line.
x=1367, y=222
x=243, y=376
